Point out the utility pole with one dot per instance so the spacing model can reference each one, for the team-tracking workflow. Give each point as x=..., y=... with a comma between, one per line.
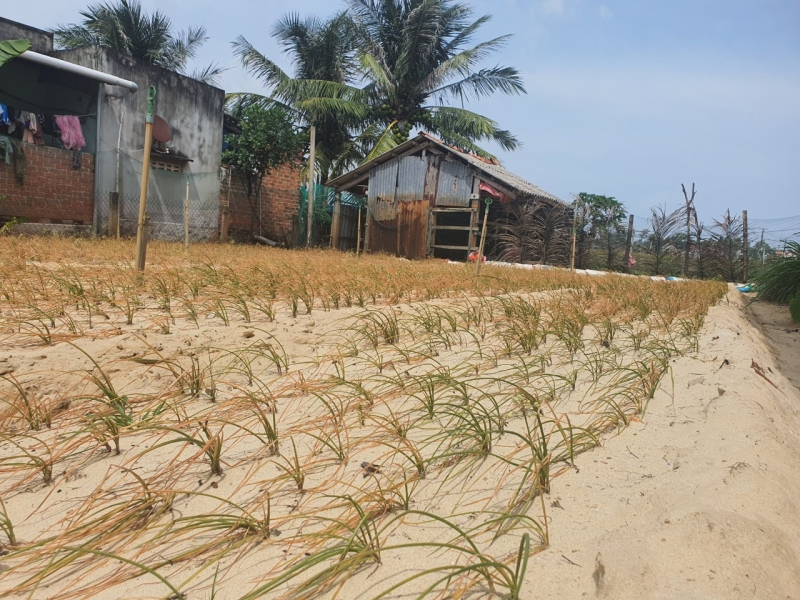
x=141, y=238
x=311, y=158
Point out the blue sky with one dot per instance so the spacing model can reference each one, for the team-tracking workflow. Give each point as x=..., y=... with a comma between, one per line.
x=625, y=98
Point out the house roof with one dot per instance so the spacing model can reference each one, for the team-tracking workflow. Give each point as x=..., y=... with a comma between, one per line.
x=490, y=169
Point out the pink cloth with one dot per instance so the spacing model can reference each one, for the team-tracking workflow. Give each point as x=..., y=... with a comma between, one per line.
x=71, y=132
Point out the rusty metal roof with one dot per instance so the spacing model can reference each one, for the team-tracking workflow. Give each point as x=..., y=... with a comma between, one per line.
x=504, y=177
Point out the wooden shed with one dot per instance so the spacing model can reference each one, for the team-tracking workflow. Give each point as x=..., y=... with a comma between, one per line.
x=427, y=199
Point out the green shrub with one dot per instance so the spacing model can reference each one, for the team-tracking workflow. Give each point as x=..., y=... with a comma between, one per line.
x=780, y=282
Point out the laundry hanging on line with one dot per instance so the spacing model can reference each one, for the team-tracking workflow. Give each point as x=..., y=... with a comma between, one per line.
x=71, y=132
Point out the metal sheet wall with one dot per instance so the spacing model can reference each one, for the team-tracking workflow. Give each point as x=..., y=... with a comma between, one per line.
x=399, y=201
x=382, y=190
x=411, y=178
x=348, y=227
x=455, y=184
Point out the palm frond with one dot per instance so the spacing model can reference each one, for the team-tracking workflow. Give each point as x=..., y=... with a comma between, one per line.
x=375, y=71
x=484, y=83
x=209, y=74
x=460, y=64
x=257, y=64
x=451, y=124
x=384, y=143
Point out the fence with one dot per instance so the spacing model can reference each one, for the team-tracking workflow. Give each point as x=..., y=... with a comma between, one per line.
x=166, y=199
x=324, y=199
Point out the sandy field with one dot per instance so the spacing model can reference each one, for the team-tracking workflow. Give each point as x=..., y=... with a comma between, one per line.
x=257, y=423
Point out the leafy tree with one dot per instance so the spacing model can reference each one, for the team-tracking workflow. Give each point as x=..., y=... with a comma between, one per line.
x=412, y=57
x=124, y=27
x=268, y=140
x=605, y=217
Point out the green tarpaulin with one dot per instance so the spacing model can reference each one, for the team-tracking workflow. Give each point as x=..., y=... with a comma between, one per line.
x=12, y=48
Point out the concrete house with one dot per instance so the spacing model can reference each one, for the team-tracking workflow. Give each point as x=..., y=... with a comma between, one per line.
x=427, y=199
x=107, y=92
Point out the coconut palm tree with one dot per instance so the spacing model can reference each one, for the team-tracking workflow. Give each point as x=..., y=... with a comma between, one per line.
x=320, y=51
x=125, y=28
x=413, y=57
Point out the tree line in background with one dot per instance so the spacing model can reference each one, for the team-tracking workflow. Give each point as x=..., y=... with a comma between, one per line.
x=673, y=243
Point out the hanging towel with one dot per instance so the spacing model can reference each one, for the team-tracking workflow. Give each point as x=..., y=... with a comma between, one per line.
x=4, y=115
x=71, y=132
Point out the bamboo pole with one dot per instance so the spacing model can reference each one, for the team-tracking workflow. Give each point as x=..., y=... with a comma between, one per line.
x=311, y=159
x=141, y=239
x=479, y=261
x=186, y=216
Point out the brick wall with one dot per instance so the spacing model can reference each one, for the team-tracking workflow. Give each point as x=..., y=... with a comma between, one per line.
x=279, y=206
x=53, y=191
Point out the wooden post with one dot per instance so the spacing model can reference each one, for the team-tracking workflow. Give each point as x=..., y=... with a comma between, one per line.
x=186, y=216
x=358, y=234
x=223, y=234
x=113, y=215
x=574, y=233
x=746, y=246
x=337, y=214
x=689, y=209
x=145, y=236
x=627, y=265
x=141, y=239
x=483, y=237
x=311, y=159
x=223, y=226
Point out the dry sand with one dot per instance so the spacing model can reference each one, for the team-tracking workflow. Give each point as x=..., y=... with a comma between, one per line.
x=698, y=499
x=702, y=498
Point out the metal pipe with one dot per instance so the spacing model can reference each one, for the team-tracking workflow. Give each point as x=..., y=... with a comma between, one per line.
x=96, y=209
x=63, y=65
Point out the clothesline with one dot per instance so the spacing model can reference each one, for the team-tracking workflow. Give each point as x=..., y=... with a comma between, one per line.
x=49, y=109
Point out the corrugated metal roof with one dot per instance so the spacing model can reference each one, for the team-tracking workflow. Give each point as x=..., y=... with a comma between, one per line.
x=505, y=177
